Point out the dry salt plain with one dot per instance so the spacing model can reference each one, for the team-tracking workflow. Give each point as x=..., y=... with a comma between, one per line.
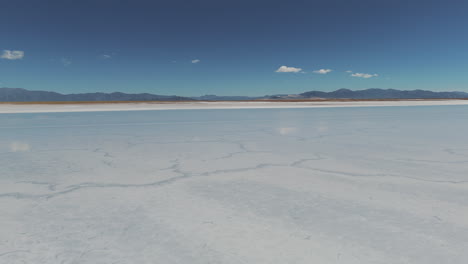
x=307, y=185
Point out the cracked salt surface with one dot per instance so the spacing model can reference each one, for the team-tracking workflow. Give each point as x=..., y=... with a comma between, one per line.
x=322, y=185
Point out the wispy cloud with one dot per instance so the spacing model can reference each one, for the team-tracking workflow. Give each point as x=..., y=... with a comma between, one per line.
x=364, y=75
x=65, y=61
x=348, y=71
x=288, y=69
x=323, y=71
x=105, y=56
x=12, y=54
x=196, y=61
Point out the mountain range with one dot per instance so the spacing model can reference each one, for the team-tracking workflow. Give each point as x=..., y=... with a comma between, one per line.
x=23, y=95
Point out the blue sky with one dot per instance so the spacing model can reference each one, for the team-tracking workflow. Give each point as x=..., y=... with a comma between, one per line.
x=233, y=47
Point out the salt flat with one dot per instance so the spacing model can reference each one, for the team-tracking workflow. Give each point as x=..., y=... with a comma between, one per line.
x=307, y=185
x=139, y=106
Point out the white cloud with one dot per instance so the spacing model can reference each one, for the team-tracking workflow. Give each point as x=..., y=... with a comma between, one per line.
x=17, y=146
x=65, y=61
x=196, y=61
x=323, y=71
x=348, y=71
x=12, y=54
x=364, y=75
x=288, y=69
x=106, y=56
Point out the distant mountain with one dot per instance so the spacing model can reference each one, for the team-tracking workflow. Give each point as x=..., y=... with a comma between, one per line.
x=383, y=94
x=23, y=95
x=211, y=97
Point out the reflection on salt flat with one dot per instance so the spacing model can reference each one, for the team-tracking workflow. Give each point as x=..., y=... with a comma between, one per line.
x=336, y=185
x=16, y=146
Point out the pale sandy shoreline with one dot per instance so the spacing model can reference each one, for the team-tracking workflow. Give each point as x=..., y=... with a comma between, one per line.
x=142, y=106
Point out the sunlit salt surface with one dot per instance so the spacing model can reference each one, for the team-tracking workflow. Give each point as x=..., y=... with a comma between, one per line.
x=324, y=185
x=7, y=108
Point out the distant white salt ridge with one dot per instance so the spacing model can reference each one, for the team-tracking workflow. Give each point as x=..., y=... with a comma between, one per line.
x=50, y=108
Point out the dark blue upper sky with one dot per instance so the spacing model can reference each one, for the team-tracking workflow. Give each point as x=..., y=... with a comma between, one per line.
x=233, y=47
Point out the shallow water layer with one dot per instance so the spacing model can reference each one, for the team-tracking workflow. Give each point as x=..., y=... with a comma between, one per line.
x=324, y=185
